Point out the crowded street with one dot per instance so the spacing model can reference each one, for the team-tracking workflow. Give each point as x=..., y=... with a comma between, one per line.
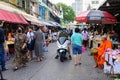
x=53, y=69
x=59, y=39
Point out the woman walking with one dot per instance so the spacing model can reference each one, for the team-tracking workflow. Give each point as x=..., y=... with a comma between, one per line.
x=30, y=45
x=39, y=41
x=85, y=37
x=76, y=40
x=20, y=57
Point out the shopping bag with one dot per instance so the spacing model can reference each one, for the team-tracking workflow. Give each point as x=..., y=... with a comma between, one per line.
x=83, y=49
x=45, y=49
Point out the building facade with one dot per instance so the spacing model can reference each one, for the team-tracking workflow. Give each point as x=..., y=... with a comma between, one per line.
x=77, y=6
x=82, y=5
x=42, y=9
x=34, y=10
x=49, y=11
x=21, y=4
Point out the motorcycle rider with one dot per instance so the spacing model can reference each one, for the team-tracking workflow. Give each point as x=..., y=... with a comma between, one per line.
x=63, y=33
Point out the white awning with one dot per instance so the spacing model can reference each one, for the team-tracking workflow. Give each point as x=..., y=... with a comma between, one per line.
x=54, y=24
x=46, y=23
x=32, y=19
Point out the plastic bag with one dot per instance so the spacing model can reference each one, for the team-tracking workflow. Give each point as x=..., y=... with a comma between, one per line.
x=83, y=49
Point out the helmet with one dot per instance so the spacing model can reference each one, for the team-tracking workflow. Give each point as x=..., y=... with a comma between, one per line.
x=63, y=29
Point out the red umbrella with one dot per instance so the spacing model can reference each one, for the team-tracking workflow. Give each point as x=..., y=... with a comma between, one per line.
x=95, y=16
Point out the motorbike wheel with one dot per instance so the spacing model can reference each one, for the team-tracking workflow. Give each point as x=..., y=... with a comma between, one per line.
x=61, y=58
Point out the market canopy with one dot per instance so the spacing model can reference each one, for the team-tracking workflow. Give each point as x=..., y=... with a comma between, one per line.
x=28, y=17
x=32, y=19
x=12, y=17
x=95, y=16
x=46, y=23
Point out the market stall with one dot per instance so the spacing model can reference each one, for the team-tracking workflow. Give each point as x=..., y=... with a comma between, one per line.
x=112, y=64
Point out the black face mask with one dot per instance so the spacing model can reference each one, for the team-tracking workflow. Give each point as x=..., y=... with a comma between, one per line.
x=19, y=30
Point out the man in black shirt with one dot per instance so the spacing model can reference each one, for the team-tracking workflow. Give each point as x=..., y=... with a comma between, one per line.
x=2, y=53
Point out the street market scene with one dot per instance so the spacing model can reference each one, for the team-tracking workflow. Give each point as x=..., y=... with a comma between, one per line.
x=60, y=39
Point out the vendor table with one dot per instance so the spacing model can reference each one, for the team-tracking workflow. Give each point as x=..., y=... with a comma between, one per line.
x=114, y=64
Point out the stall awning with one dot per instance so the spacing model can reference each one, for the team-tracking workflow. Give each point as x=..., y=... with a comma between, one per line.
x=32, y=19
x=46, y=23
x=12, y=17
x=28, y=17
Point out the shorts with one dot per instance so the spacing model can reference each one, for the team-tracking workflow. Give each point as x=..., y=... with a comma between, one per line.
x=76, y=49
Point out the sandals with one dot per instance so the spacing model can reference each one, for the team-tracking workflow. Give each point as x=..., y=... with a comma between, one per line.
x=16, y=68
x=79, y=63
x=24, y=65
x=75, y=64
x=95, y=66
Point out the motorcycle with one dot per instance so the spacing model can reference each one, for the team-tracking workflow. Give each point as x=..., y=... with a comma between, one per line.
x=62, y=44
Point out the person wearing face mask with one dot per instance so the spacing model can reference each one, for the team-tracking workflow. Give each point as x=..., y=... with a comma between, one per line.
x=21, y=40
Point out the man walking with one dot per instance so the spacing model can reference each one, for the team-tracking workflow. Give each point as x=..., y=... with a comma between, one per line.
x=2, y=54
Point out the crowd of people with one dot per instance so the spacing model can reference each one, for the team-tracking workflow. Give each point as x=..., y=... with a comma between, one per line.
x=24, y=44
x=27, y=42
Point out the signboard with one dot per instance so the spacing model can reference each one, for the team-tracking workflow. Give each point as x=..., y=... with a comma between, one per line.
x=94, y=18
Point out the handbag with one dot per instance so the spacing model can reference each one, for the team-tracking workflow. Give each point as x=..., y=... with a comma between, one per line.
x=24, y=50
x=45, y=49
x=83, y=49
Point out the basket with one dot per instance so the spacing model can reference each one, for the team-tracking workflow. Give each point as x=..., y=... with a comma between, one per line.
x=94, y=51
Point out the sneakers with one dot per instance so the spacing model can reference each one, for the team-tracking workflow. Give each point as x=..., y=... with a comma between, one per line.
x=56, y=57
x=5, y=69
x=70, y=58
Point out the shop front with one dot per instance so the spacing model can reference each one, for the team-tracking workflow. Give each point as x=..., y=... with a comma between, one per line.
x=112, y=56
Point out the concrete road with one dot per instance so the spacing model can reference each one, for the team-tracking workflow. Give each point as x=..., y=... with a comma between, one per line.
x=52, y=69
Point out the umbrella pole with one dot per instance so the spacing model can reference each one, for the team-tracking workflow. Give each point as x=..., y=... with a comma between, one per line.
x=103, y=29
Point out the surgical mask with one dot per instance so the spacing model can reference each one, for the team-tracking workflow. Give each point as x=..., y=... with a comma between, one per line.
x=19, y=30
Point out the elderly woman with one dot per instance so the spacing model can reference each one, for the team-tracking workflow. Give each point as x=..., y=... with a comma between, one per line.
x=39, y=41
x=20, y=58
x=99, y=58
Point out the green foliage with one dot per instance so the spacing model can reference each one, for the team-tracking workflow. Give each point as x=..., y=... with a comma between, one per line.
x=68, y=13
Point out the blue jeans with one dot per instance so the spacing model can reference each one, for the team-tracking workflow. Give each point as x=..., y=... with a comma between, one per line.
x=2, y=57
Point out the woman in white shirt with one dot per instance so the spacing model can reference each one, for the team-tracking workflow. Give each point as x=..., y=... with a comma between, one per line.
x=30, y=35
x=85, y=37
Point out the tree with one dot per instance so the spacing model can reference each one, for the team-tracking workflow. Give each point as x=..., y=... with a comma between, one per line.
x=68, y=13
